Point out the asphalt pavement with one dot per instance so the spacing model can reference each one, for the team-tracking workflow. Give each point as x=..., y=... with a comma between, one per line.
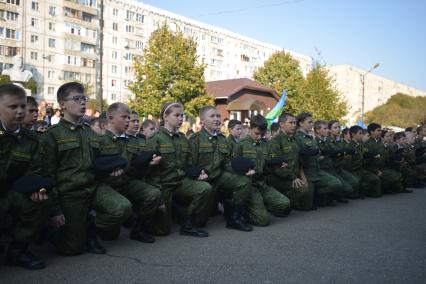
x=366, y=241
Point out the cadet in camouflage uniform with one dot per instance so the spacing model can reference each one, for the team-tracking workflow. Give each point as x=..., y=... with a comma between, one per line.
x=329, y=153
x=391, y=180
x=338, y=144
x=144, y=197
x=289, y=179
x=170, y=175
x=263, y=197
x=420, y=151
x=370, y=184
x=235, y=127
x=405, y=166
x=19, y=156
x=320, y=182
x=69, y=151
x=211, y=152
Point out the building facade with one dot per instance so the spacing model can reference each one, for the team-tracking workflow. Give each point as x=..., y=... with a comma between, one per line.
x=377, y=89
x=59, y=41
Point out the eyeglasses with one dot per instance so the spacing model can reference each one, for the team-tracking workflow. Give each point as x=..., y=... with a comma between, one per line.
x=77, y=99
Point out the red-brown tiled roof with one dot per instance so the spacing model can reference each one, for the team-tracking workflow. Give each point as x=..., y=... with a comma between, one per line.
x=226, y=88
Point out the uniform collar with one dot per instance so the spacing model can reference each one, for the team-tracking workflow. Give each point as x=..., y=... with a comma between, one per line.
x=286, y=136
x=168, y=133
x=114, y=137
x=3, y=129
x=210, y=136
x=252, y=141
x=69, y=125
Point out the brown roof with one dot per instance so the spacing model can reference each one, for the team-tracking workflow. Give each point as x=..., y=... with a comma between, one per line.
x=226, y=88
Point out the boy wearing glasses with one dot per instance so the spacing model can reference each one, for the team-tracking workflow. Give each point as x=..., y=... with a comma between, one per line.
x=70, y=149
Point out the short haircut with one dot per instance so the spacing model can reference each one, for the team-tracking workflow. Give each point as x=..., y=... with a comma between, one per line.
x=275, y=126
x=103, y=118
x=355, y=129
x=32, y=101
x=302, y=117
x=93, y=121
x=204, y=109
x=331, y=122
x=11, y=90
x=345, y=131
x=147, y=123
x=67, y=88
x=398, y=135
x=259, y=121
x=419, y=129
x=234, y=122
x=113, y=108
x=134, y=112
x=372, y=127
x=319, y=123
x=283, y=117
x=409, y=129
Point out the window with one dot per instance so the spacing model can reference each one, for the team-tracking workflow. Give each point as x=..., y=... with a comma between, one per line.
x=115, y=26
x=114, y=55
x=113, y=82
x=128, y=56
x=50, y=74
x=68, y=75
x=86, y=62
x=52, y=42
x=34, y=39
x=139, y=45
x=34, y=6
x=87, y=48
x=34, y=22
x=114, y=40
x=130, y=29
x=139, y=18
x=72, y=60
x=14, y=2
x=51, y=58
x=8, y=33
x=50, y=90
x=33, y=55
x=129, y=15
x=115, y=12
x=51, y=26
x=113, y=97
x=7, y=15
x=52, y=10
x=9, y=51
x=114, y=69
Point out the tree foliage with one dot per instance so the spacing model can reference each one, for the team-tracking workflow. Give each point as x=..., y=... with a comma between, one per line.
x=320, y=97
x=30, y=85
x=400, y=110
x=281, y=71
x=315, y=93
x=168, y=72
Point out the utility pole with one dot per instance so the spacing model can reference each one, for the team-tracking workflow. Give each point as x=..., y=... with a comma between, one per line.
x=363, y=90
x=101, y=55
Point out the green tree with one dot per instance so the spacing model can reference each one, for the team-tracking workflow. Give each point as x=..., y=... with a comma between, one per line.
x=281, y=71
x=320, y=97
x=167, y=72
x=4, y=79
x=400, y=110
x=30, y=85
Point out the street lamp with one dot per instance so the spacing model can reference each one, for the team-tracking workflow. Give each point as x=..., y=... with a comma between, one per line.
x=363, y=89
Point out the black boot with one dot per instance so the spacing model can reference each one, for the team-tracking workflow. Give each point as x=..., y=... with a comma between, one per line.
x=188, y=230
x=92, y=243
x=139, y=232
x=19, y=255
x=237, y=220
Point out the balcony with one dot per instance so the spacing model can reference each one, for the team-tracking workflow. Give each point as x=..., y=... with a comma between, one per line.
x=80, y=7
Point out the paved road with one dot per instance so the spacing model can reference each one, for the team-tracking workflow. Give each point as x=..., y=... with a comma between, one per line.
x=366, y=241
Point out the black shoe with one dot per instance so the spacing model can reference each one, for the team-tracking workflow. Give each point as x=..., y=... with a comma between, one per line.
x=237, y=222
x=406, y=190
x=193, y=232
x=93, y=246
x=141, y=236
x=21, y=256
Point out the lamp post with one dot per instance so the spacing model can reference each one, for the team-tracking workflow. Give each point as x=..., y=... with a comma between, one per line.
x=363, y=89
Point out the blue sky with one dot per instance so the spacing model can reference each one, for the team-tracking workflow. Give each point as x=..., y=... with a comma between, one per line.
x=361, y=33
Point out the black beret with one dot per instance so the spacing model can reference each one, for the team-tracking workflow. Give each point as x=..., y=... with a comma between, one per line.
x=143, y=159
x=193, y=172
x=275, y=162
x=33, y=183
x=105, y=164
x=242, y=165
